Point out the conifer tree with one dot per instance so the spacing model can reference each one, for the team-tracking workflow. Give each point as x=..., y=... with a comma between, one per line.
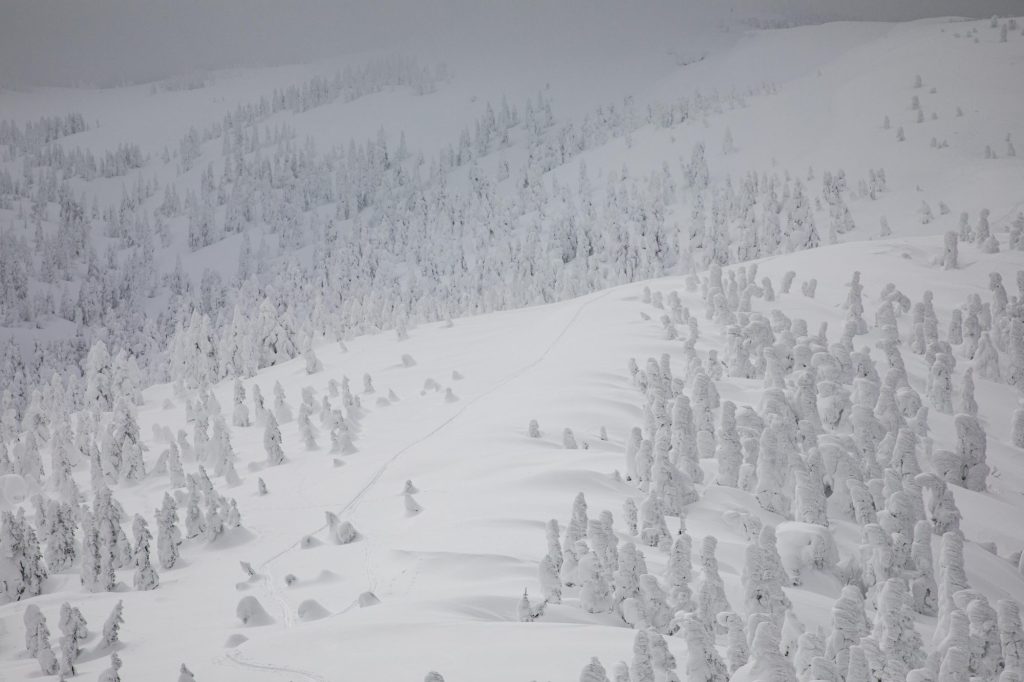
x=74, y=630
x=272, y=441
x=282, y=410
x=168, y=536
x=99, y=393
x=34, y=622
x=593, y=672
x=702, y=662
x=923, y=589
x=738, y=649
x=313, y=364
x=26, y=572
x=680, y=574
x=950, y=255
x=711, y=599
x=145, y=575
x=306, y=428
x=971, y=451
x=1011, y=635
x=112, y=626
x=766, y=659
x=728, y=452
x=259, y=408
x=848, y=626
x=596, y=593
x=240, y=414
x=112, y=674
x=61, y=549
x=48, y=663
x=642, y=667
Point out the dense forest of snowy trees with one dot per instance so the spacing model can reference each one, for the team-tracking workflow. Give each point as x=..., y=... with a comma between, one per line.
x=346, y=241
x=839, y=437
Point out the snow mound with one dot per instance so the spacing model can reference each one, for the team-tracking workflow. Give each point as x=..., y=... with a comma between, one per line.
x=251, y=612
x=311, y=609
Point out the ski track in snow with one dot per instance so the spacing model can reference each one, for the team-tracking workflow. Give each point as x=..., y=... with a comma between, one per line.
x=236, y=658
x=270, y=584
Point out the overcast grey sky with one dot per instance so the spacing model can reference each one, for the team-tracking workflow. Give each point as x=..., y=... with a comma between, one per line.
x=106, y=42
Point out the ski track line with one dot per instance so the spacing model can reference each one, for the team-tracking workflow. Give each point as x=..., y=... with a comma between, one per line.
x=268, y=580
x=236, y=658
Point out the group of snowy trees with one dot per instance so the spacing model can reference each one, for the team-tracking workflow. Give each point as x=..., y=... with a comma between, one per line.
x=836, y=437
x=57, y=531
x=64, y=532
x=74, y=630
x=105, y=441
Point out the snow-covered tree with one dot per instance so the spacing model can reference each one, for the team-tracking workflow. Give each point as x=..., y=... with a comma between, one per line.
x=74, y=630
x=525, y=611
x=112, y=626
x=849, y=624
x=1011, y=635
x=48, y=663
x=703, y=662
x=738, y=647
x=22, y=571
x=771, y=469
x=306, y=428
x=61, y=548
x=940, y=384
x=642, y=667
x=594, y=672
x=112, y=674
x=35, y=623
x=168, y=535
x=950, y=254
x=595, y=593
x=971, y=452
x=680, y=574
x=240, y=414
x=145, y=575
x=99, y=392
x=313, y=364
x=272, y=441
x=711, y=599
x=763, y=578
x=766, y=659
x=282, y=410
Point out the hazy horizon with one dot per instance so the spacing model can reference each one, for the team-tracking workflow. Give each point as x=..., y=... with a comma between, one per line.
x=111, y=42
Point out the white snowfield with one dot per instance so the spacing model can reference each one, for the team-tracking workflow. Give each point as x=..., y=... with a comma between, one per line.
x=449, y=493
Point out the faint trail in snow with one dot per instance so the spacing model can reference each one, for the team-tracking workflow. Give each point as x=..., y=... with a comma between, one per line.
x=236, y=657
x=275, y=594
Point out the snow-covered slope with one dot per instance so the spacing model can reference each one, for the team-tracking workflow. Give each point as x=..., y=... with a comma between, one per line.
x=433, y=579
x=448, y=578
